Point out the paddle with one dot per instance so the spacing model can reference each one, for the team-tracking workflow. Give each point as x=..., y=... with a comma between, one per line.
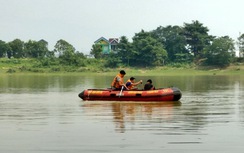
x=121, y=91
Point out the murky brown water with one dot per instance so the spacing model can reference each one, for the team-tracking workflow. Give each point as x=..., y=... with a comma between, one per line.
x=43, y=113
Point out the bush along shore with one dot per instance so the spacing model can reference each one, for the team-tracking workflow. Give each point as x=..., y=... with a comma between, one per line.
x=10, y=66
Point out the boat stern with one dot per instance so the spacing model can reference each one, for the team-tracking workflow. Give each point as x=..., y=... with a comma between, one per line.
x=177, y=94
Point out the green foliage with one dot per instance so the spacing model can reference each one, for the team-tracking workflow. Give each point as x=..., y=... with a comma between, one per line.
x=96, y=51
x=92, y=61
x=4, y=49
x=55, y=69
x=181, y=65
x=62, y=47
x=183, y=58
x=10, y=61
x=220, y=52
x=47, y=62
x=174, y=42
x=17, y=47
x=67, y=54
x=171, y=45
x=113, y=60
x=241, y=45
x=148, y=51
x=239, y=59
x=35, y=49
x=23, y=68
x=196, y=37
x=11, y=71
x=125, y=51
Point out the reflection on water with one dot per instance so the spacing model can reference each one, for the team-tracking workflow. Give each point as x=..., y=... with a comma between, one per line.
x=131, y=113
x=42, y=113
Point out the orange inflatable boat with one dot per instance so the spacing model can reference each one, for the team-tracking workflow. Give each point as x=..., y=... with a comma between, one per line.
x=161, y=94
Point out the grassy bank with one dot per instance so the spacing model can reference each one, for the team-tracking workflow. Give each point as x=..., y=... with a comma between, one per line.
x=24, y=66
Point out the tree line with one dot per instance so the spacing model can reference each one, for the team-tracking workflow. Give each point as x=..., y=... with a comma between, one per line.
x=190, y=43
x=64, y=53
x=174, y=44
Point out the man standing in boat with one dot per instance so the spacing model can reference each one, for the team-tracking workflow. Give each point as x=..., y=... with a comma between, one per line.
x=130, y=84
x=118, y=81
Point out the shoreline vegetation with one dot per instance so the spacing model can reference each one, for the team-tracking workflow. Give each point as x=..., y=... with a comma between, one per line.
x=29, y=66
x=170, y=50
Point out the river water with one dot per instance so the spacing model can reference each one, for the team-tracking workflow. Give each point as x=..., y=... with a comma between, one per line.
x=43, y=114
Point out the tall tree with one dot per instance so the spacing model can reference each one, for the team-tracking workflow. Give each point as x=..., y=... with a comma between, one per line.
x=174, y=42
x=66, y=52
x=43, y=48
x=220, y=52
x=96, y=51
x=17, y=47
x=4, y=49
x=241, y=45
x=196, y=37
x=63, y=46
x=149, y=52
x=113, y=60
x=35, y=49
x=125, y=50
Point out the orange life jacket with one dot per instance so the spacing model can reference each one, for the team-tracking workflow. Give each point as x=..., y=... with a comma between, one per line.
x=131, y=85
x=117, y=81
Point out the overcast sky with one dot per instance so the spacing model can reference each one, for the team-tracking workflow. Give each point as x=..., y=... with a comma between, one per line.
x=81, y=22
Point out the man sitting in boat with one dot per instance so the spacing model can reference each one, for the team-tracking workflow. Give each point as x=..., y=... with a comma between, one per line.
x=118, y=81
x=148, y=85
x=130, y=84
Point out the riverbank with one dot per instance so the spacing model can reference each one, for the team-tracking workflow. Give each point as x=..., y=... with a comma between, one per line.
x=29, y=66
x=159, y=71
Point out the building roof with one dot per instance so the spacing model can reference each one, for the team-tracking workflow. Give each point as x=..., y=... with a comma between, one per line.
x=100, y=39
x=113, y=40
